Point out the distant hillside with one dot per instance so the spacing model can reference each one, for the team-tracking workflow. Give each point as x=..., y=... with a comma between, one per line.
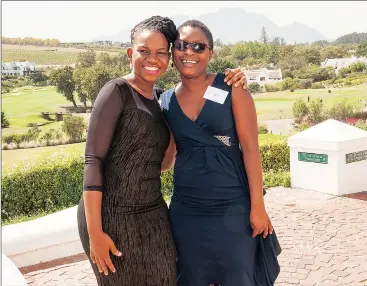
x=353, y=38
x=234, y=24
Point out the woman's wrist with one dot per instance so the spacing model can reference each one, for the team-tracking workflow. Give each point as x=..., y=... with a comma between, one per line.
x=94, y=232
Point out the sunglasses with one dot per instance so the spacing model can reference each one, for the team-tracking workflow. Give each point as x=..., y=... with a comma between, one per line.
x=184, y=46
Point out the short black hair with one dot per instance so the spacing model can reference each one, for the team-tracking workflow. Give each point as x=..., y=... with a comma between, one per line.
x=160, y=24
x=199, y=25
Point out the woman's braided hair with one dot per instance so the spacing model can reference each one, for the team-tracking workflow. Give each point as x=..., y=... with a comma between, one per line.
x=160, y=24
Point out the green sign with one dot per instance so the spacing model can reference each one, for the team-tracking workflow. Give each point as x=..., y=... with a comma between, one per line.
x=356, y=157
x=313, y=158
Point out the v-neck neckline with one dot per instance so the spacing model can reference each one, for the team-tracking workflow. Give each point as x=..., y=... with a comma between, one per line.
x=202, y=108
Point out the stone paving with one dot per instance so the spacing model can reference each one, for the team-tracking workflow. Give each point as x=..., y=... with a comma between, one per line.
x=324, y=241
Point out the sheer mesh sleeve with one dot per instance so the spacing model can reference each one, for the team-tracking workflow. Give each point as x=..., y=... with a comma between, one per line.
x=106, y=111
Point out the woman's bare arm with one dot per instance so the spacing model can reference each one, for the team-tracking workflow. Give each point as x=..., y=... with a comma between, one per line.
x=169, y=156
x=244, y=112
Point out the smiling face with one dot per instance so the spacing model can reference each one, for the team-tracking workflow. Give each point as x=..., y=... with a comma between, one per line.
x=149, y=55
x=188, y=63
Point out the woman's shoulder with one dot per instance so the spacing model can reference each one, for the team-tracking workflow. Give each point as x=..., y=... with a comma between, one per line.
x=220, y=83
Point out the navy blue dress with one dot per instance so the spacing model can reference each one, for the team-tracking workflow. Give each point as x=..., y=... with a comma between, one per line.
x=210, y=206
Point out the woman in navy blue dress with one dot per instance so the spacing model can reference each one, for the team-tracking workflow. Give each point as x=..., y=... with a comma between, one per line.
x=222, y=232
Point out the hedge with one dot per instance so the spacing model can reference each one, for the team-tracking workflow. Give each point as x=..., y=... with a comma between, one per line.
x=55, y=182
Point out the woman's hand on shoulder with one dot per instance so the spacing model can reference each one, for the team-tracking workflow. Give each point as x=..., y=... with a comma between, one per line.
x=236, y=77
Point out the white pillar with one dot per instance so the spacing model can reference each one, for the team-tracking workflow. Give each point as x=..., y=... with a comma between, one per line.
x=330, y=157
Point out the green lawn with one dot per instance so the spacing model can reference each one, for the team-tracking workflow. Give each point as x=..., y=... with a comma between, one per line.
x=25, y=104
x=276, y=105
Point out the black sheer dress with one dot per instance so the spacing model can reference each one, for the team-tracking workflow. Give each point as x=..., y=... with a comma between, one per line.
x=127, y=138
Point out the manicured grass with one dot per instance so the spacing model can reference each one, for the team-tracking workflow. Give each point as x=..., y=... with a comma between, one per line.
x=276, y=105
x=43, y=55
x=25, y=104
x=33, y=154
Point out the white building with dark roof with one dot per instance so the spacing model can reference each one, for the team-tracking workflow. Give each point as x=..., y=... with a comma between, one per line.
x=263, y=76
x=17, y=68
x=337, y=64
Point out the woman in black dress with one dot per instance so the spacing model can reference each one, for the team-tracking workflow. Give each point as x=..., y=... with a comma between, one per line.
x=122, y=209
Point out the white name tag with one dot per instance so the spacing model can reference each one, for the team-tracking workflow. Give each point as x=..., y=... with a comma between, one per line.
x=216, y=94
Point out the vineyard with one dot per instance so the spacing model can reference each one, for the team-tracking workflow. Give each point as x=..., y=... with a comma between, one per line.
x=43, y=55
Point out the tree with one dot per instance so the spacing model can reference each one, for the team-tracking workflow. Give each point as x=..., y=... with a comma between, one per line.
x=313, y=55
x=240, y=51
x=362, y=50
x=4, y=120
x=273, y=57
x=218, y=65
x=264, y=38
x=74, y=127
x=353, y=38
x=169, y=79
x=357, y=67
x=62, y=78
x=254, y=87
x=218, y=43
x=106, y=59
x=79, y=77
x=300, y=110
x=86, y=59
x=225, y=51
x=333, y=52
x=95, y=78
x=38, y=77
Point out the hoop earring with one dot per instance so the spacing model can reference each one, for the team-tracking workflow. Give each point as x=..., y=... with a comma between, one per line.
x=172, y=64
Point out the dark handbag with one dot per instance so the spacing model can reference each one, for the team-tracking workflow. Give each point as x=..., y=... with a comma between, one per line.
x=267, y=265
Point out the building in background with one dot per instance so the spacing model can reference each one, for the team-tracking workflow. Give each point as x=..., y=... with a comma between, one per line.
x=337, y=64
x=17, y=68
x=263, y=76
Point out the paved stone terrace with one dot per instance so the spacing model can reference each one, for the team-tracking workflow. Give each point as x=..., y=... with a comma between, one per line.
x=324, y=241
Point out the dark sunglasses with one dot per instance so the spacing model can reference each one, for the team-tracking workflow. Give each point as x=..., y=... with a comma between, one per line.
x=184, y=46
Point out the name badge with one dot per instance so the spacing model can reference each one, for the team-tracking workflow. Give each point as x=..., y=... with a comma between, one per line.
x=216, y=94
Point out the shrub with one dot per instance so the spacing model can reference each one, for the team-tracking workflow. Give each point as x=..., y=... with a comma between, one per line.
x=262, y=129
x=4, y=120
x=254, y=87
x=74, y=127
x=17, y=138
x=56, y=182
x=360, y=115
x=317, y=85
x=272, y=87
x=341, y=110
x=53, y=183
x=275, y=156
x=362, y=124
x=51, y=134
x=33, y=133
x=316, y=111
x=305, y=83
x=275, y=179
x=289, y=84
x=303, y=126
x=300, y=110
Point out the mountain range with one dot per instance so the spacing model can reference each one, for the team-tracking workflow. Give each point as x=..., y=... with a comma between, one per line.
x=231, y=25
